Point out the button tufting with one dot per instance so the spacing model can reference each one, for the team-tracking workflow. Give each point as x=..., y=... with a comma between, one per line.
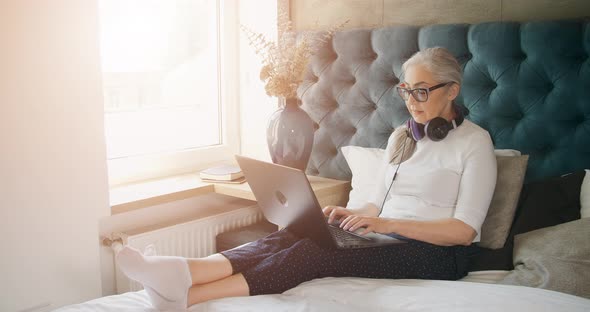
x=493, y=85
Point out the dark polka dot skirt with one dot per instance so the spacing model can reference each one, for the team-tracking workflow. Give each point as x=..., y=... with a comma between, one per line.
x=282, y=261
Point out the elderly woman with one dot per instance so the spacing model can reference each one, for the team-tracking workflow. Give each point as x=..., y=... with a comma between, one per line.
x=434, y=192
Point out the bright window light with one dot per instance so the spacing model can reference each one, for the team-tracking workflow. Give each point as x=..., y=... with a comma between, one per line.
x=160, y=64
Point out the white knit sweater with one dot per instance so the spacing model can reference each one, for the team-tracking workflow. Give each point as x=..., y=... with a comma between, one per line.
x=454, y=177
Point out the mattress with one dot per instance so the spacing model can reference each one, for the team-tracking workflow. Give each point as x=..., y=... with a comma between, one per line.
x=476, y=292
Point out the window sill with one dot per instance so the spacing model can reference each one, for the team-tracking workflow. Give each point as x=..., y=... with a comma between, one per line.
x=140, y=195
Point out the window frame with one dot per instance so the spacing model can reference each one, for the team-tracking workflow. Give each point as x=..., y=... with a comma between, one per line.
x=145, y=167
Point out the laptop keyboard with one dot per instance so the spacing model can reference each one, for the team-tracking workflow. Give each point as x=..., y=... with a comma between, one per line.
x=346, y=236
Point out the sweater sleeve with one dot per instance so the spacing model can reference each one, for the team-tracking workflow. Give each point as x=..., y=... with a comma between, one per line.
x=478, y=182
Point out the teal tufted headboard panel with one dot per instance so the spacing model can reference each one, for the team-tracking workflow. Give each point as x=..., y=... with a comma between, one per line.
x=528, y=84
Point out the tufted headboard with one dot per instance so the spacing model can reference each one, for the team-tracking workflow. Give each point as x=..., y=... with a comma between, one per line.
x=528, y=84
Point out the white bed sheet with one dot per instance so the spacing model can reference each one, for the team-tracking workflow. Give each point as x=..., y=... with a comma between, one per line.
x=476, y=292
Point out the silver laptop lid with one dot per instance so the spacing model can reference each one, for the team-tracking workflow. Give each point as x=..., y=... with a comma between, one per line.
x=284, y=194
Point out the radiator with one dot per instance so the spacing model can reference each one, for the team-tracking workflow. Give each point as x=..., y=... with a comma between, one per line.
x=192, y=239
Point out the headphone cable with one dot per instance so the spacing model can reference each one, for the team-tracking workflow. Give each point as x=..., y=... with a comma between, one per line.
x=395, y=173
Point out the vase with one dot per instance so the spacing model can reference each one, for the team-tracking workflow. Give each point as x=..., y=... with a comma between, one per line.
x=290, y=135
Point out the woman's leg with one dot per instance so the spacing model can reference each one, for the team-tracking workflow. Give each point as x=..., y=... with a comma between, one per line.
x=209, y=269
x=232, y=286
x=250, y=255
x=285, y=269
x=167, y=279
x=301, y=262
x=219, y=266
x=304, y=261
x=416, y=260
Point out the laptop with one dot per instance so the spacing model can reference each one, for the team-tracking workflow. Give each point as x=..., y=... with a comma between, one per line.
x=286, y=199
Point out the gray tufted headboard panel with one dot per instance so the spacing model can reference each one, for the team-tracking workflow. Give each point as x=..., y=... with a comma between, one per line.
x=527, y=84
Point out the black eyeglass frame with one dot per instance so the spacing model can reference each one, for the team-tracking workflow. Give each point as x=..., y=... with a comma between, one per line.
x=413, y=91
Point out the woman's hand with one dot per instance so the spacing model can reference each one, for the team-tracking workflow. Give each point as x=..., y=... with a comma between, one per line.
x=336, y=213
x=371, y=224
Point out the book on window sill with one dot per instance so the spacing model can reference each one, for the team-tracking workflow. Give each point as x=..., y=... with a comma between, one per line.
x=236, y=181
x=222, y=173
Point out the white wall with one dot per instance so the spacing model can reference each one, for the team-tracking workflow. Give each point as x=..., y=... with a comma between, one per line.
x=53, y=183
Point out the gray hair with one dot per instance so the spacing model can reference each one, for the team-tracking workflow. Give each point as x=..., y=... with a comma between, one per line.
x=400, y=146
x=439, y=62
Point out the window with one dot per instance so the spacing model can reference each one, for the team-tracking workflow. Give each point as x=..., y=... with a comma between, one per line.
x=166, y=111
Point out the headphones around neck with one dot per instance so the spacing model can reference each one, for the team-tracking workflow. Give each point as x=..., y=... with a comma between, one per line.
x=437, y=128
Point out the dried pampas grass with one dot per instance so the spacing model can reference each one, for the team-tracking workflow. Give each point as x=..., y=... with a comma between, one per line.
x=284, y=62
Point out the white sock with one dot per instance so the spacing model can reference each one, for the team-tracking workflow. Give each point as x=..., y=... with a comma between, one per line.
x=164, y=304
x=169, y=277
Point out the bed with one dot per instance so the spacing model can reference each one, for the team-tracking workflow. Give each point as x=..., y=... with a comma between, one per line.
x=360, y=294
x=528, y=85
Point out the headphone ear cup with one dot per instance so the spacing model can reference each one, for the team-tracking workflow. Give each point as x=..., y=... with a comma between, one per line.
x=416, y=129
x=437, y=129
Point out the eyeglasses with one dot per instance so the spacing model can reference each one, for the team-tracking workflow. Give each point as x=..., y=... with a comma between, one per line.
x=420, y=94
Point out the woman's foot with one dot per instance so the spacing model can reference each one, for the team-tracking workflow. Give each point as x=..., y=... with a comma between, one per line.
x=167, y=277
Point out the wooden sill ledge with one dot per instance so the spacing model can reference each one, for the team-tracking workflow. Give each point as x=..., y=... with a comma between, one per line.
x=140, y=195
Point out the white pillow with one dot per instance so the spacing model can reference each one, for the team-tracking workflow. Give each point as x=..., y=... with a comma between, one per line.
x=364, y=163
x=585, y=196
